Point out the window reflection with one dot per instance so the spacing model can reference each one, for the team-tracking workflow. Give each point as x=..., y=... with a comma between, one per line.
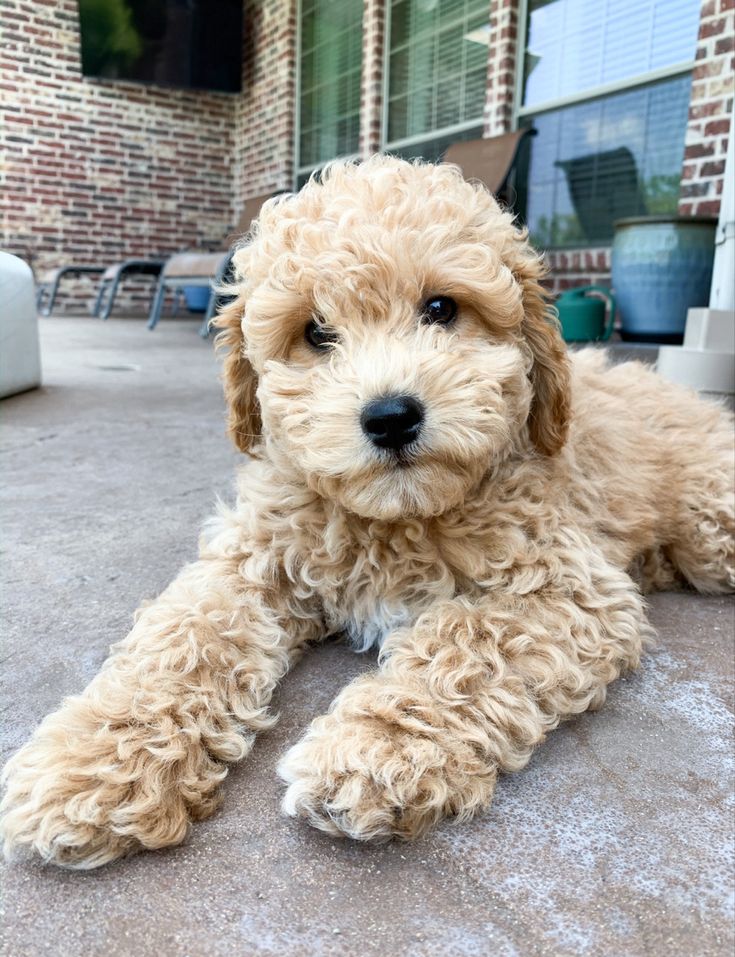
x=598, y=161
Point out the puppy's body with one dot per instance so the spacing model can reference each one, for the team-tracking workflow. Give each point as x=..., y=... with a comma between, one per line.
x=488, y=554
x=635, y=477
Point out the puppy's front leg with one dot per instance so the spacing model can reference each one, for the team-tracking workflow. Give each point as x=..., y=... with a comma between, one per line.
x=466, y=693
x=140, y=753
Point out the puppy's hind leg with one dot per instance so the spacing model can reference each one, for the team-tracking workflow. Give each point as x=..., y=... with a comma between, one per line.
x=703, y=549
x=141, y=752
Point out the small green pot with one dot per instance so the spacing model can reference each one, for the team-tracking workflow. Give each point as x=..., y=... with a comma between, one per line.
x=585, y=317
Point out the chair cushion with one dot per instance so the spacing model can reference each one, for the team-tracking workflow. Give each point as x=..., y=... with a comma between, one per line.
x=488, y=160
x=194, y=265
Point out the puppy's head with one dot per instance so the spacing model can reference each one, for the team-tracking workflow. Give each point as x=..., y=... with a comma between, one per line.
x=390, y=339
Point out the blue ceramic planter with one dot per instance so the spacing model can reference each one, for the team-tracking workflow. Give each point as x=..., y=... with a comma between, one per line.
x=661, y=266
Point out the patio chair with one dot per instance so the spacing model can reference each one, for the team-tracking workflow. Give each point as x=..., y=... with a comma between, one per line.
x=48, y=287
x=203, y=269
x=188, y=269
x=112, y=276
x=499, y=162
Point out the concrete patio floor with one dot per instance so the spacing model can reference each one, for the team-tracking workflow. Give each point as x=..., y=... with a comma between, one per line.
x=616, y=840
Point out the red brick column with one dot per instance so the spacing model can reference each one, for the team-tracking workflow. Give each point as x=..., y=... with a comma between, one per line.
x=371, y=86
x=264, y=130
x=710, y=107
x=501, y=66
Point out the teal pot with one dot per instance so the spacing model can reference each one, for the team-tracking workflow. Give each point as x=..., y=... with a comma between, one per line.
x=584, y=316
x=661, y=267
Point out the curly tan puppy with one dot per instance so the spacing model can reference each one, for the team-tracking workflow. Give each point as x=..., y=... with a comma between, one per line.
x=430, y=473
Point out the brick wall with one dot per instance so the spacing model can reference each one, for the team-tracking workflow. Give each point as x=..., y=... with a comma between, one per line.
x=99, y=171
x=710, y=110
x=265, y=111
x=570, y=268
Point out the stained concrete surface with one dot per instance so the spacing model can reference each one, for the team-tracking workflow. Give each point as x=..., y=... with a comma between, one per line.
x=617, y=839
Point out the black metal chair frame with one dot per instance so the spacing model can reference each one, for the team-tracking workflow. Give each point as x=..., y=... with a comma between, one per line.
x=110, y=283
x=48, y=290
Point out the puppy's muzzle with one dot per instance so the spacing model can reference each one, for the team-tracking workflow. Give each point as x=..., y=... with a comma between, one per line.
x=392, y=422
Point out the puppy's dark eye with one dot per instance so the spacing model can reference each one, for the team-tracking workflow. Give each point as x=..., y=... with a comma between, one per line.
x=318, y=335
x=439, y=310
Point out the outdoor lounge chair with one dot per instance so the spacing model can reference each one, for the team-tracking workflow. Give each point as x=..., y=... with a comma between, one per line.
x=189, y=269
x=500, y=162
x=112, y=276
x=48, y=287
x=203, y=269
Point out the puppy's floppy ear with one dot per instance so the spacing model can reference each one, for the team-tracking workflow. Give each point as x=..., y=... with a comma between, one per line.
x=550, y=373
x=240, y=380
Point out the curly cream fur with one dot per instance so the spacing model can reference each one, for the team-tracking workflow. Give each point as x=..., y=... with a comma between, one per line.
x=493, y=564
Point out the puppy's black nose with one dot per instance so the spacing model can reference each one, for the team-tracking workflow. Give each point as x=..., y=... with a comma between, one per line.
x=392, y=422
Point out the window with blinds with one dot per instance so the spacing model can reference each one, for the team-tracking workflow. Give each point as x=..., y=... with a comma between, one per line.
x=606, y=85
x=437, y=74
x=329, y=93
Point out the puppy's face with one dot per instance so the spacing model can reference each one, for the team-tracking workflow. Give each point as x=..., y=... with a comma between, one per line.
x=384, y=313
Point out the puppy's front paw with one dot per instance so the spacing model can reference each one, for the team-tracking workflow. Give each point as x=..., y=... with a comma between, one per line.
x=373, y=779
x=84, y=792
x=53, y=809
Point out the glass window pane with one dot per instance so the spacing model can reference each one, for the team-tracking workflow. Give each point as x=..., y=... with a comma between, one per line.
x=437, y=66
x=398, y=118
x=475, y=85
x=598, y=161
x=575, y=45
x=331, y=64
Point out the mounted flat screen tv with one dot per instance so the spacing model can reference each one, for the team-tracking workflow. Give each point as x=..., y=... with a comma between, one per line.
x=184, y=43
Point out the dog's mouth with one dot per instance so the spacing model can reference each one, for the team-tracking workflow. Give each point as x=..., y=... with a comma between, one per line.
x=402, y=458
